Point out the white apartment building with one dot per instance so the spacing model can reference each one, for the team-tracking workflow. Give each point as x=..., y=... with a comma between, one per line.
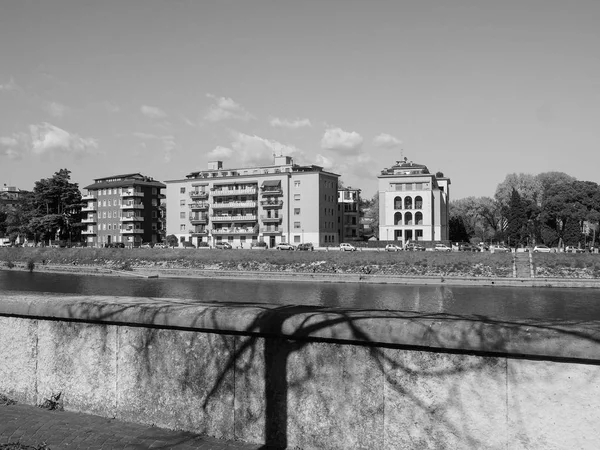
x=283, y=202
x=413, y=204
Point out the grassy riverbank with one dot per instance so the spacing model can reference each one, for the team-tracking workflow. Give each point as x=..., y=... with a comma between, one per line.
x=375, y=263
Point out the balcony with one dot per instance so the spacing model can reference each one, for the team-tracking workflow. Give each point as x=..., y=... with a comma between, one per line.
x=271, y=203
x=88, y=197
x=273, y=192
x=267, y=231
x=234, y=230
x=132, y=194
x=245, y=191
x=198, y=194
x=89, y=220
x=88, y=232
x=198, y=233
x=132, y=231
x=245, y=218
x=199, y=206
x=234, y=205
x=132, y=219
x=274, y=219
x=89, y=207
x=132, y=206
x=199, y=220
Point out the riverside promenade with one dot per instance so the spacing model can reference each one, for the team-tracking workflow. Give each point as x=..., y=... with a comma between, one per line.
x=34, y=428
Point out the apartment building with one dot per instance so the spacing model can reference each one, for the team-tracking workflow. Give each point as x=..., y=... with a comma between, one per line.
x=413, y=204
x=349, y=213
x=122, y=209
x=10, y=196
x=282, y=202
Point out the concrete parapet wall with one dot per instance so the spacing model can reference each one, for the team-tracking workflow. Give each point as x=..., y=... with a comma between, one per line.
x=307, y=377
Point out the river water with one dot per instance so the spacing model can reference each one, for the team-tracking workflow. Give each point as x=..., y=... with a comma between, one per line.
x=486, y=301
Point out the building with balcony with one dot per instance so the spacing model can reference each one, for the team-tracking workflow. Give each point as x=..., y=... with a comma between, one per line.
x=282, y=202
x=413, y=204
x=122, y=209
x=349, y=213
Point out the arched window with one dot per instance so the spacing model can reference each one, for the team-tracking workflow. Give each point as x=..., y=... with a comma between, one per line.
x=407, y=202
x=418, y=202
x=419, y=218
x=408, y=218
x=398, y=218
x=398, y=203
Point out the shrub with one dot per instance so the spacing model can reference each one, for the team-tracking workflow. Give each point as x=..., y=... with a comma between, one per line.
x=202, y=244
x=10, y=264
x=30, y=265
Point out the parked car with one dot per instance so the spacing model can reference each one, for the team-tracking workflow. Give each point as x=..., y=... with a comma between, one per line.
x=442, y=248
x=307, y=246
x=392, y=248
x=347, y=247
x=284, y=246
x=147, y=245
x=466, y=247
x=571, y=249
x=115, y=245
x=499, y=249
x=541, y=249
x=412, y=247
x=186, y=244
x=161, y=245
x=223, y=245
x=483, y=247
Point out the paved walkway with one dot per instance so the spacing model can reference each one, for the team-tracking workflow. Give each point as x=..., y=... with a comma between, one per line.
x=32, y=426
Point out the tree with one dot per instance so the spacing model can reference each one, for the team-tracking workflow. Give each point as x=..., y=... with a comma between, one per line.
x=528, y=186
x=372, y=214
x=458, y=231
x=172, y=240
x=517, y=219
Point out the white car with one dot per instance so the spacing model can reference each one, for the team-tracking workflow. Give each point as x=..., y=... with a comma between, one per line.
x=347, y=247
x=284, y=246
x=392, y=248
x=442, y=248
x=541, y=249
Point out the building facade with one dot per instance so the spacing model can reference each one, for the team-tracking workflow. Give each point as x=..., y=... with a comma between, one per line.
x=283, y=202
x=122, y=209
x=413, y=204
x=349, y=214
x=10, y=196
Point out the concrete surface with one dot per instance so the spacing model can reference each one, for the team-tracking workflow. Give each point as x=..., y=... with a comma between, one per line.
x=307, y=378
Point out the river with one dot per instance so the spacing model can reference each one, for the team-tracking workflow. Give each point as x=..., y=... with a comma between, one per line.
x=504, y=303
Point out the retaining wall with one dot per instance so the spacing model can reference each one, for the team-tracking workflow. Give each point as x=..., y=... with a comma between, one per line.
x=303, y=377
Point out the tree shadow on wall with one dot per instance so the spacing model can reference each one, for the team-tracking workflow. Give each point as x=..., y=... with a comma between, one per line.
x=297, y=373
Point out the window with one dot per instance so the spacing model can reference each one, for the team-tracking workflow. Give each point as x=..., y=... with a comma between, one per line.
x=182, y=190
x=109, y=227
x=182, y=215
x=154, y=202
x=154, y=214
x=103, y=202
x=154, y=227
x=182, y=227
x=296, y=211
x=297, y=184
x=115, y=213
x=296, y=238
x=104, y=226
x=109, y=215
x=104, y=215
x=296, y=196
x=297, y=225
x=181, y=202
x=153, y=191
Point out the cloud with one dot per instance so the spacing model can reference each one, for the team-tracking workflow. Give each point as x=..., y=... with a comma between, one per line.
x=225, y=108
x=385, y=140
x=168, y=143
x=153, y=112
x=10, y=86
x=48, y=139
x=251, y=150
x=11, y=144
x=325, y=162
x=111, y=107
x=291, y=124
x=220, y=153
x=339, y=140
x=55, y=109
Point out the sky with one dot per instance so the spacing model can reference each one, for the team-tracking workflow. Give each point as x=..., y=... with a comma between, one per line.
x=475, y=89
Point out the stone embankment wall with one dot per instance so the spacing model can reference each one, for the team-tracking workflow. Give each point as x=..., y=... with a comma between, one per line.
x=310, y=378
